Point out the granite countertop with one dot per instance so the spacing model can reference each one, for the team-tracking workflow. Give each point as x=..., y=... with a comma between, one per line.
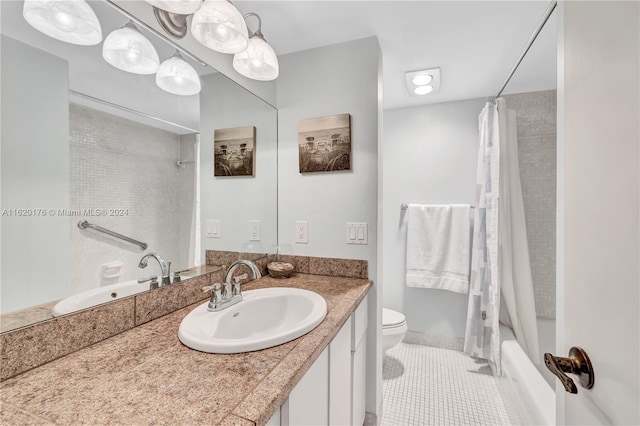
x=146, y=376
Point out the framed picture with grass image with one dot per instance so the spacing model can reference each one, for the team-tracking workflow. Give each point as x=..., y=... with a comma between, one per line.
x=234, y=151
x=324, y=143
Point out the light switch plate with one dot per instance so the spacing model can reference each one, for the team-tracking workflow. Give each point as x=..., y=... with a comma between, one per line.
x=357, y=233
x=213, y=229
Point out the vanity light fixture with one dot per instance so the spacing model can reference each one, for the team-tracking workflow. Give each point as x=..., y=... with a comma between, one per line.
x=423, y=82
x=180, y=7
x=176, y=76
x=128, y=50
x=219, y=26
x=172, y=14
x=71, y=21
x=259, y=61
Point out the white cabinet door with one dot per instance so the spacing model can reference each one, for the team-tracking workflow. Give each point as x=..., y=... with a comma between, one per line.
x=359, y=383
x=598, y=205
x=359, y=363
x=309, y=400
x=340, y=377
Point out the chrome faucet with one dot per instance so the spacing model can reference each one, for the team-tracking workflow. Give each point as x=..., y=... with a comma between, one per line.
x=227, y=294
x=164, y=267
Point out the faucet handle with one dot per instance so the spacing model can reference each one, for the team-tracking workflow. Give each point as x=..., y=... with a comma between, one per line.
x=176, y=275
x=240, y=277
x=153, y=284
x=209, y=288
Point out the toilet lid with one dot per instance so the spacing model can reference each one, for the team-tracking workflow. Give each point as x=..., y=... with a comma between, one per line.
x=391, y=318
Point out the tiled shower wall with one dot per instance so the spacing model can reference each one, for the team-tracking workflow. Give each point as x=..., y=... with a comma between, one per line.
x=536, y=115
x=129, y=170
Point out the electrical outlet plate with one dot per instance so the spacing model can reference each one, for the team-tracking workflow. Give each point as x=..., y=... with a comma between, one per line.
x=254, y=230
x=302, y=232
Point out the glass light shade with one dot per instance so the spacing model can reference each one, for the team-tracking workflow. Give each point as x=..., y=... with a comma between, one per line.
x=258, y=62
x=423, y=90
x=130, y=51
x=422, y=79
x=176, y=76
x=181, y=7
x=220, y=27
x=71, y=21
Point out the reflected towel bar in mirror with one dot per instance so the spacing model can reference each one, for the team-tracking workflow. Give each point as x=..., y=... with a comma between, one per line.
x=83, y=224
x=405, y=206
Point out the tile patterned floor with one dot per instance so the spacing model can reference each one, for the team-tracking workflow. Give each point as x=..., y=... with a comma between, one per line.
x=423, y=385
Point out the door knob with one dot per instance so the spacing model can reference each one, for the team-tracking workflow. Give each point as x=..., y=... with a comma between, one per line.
x=577, y=363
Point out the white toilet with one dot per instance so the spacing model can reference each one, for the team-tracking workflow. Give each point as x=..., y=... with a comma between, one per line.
x=394, y=327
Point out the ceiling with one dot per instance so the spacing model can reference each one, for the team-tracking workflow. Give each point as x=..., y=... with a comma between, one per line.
x=474, y=43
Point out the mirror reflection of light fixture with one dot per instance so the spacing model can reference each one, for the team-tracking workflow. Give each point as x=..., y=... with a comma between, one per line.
x=176, y=76
x=172, y=14
x=219, y=26
x=71, y=21
x=128, y=50
x=259, y=61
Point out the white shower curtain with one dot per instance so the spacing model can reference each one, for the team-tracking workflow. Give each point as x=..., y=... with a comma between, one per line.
x=500, y=268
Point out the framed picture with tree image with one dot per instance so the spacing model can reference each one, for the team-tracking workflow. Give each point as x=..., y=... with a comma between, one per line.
x=324, y=143
x=234, y=151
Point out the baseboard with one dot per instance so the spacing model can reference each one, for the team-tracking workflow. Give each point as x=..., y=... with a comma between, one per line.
x=437, y=341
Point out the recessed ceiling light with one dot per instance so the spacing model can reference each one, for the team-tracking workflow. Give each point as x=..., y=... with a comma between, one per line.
x=422, y=82
x=422, y=79
x=423, y=90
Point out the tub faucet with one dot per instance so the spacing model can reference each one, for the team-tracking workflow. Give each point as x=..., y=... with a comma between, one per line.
x=222, y=298
x=164, y=267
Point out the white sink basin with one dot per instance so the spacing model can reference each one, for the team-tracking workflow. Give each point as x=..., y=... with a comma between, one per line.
x=98, y=296
x=264, y=318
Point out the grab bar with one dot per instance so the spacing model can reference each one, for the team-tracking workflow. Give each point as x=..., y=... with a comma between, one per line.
x=405, y=206
x=83, y=224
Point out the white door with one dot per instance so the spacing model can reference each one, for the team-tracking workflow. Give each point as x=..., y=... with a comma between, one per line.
x=598, y=207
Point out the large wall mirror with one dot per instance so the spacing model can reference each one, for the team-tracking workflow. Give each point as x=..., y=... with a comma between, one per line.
x=85, y=141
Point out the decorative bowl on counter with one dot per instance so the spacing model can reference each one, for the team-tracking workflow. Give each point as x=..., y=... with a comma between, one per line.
x=280, y=269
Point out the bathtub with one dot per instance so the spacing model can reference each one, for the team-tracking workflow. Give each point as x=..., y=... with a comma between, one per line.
x=528, y=389
x=98, y=296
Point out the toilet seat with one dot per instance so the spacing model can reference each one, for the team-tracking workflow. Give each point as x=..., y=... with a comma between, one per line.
x=392, y=319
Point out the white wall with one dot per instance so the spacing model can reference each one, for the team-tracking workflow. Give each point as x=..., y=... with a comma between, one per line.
x=236, y=200
x=35, y=175
x=429, y=157
x=330, y=80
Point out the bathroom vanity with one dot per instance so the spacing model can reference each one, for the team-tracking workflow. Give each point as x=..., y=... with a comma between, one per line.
x=145, y=375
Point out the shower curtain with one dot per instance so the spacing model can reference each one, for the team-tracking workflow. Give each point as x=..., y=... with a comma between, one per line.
x=500, y=268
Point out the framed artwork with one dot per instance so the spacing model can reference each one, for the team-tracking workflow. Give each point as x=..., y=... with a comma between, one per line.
x=234, y=151
x=324, y=144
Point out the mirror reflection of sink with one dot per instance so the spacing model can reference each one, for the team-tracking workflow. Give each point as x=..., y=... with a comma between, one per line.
x=264, y=318
x=98, y=296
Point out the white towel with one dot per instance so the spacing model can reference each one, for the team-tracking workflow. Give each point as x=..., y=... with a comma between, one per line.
x=438, y=240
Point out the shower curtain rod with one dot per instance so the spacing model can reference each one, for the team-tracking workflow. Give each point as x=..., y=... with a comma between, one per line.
x=129, y=110
x=535, y=34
